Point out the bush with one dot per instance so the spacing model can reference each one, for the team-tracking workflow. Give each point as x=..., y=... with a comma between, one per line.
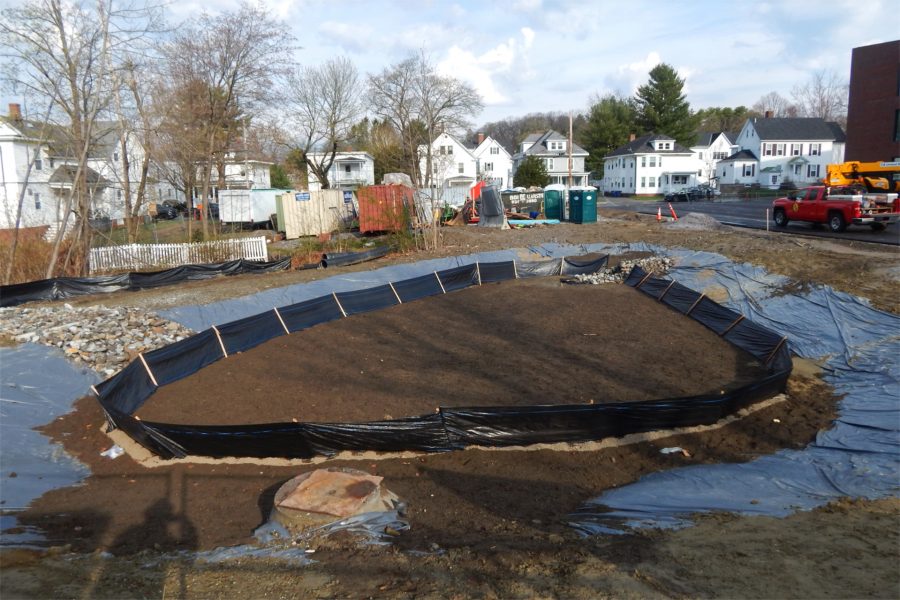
x=32, y=256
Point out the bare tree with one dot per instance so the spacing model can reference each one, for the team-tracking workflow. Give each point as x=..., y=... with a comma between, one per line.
x=231, y=60
x=421, y=103
x=825, y=95
x=776, y=104
x=64, y=56
x=323, y=104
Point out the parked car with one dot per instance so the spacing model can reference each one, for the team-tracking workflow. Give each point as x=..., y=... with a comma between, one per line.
x=163, y=211
x=679, y=196
x=213, y=211
x=180, y=207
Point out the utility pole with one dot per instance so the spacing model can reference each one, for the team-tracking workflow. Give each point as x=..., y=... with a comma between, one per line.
x=570, y=149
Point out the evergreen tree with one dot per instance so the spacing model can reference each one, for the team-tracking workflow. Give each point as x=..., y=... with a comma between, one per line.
x=531, y=171
x=611, y=120
x=279, y=178
x=662, y=108
x=717, y=118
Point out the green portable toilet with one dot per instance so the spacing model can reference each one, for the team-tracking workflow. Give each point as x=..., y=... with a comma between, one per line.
x=583, y=206
x=553, y=202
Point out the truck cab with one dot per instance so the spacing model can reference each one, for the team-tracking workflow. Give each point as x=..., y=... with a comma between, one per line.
x=837, y=207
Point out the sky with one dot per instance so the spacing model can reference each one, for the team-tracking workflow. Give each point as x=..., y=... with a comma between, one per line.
x=526, y=56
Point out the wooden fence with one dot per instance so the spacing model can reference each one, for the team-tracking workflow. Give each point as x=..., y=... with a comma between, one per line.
x=139, y=257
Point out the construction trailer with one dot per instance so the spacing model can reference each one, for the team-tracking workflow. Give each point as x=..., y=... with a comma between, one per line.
x=385, y=208
x=248, y=207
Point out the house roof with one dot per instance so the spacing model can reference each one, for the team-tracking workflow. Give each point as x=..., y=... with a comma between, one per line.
x=797, y=129
x=539, y=141
x=742, y=155
x=643, y=145
x=64, y=176
x=705, y=139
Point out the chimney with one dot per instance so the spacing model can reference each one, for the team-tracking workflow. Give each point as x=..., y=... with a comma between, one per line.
x=769, y=114
x=631, y=137
x=15, y=112
x=480, y=137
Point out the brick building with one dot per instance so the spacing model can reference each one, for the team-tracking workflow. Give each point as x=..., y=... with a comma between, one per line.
x=873, y=113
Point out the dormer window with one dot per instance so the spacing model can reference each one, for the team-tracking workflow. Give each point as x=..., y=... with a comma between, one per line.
x=556, y=146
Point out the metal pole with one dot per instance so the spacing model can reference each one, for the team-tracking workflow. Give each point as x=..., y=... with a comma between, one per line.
x=767, y=219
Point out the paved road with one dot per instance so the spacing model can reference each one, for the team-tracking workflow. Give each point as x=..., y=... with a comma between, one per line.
x=752, y=214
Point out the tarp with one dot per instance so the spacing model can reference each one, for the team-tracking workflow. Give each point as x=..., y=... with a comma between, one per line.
x=491, y=212
x=61, y=288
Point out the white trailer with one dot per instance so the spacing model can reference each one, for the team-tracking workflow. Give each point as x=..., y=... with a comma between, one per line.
x=250, y=207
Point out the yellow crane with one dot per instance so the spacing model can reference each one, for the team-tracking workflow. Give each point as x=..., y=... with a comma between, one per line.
x=881, y=176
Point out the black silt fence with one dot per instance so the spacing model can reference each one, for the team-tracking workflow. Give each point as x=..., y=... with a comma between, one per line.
x=450, y=428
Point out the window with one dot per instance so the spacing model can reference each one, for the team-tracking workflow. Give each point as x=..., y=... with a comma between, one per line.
x=495, y=150
x=700, y=156
x=38, y=164
x=447, y=150
x=115, y=156
x=812, y=171
x=768, y=149
x=37, y=202
x=749, y=170
x=815, y=149
x=798, y=169
x=488, y=167
x=347, y=169
x=719, y=155
x=643, y=161
x=556, y=145
x=461, y=167
x=652, y=181
x=796, y=149
x=643, y=182
x=679, y=179
x=652, y=161
x=118, y=194
x=51, y=163
x=779, y=149
x=774, y=179
x=660, y=161
x=549, y=163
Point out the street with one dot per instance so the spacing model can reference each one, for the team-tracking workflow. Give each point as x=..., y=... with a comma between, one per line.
x=751, y=214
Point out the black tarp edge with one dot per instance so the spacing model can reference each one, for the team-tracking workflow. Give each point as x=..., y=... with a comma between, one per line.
x=452, y=428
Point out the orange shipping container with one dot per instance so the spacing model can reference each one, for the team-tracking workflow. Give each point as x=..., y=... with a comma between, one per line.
x=385, y=207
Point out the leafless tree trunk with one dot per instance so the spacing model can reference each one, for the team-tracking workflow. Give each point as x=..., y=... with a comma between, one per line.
x=225, y=57
x=323, y=104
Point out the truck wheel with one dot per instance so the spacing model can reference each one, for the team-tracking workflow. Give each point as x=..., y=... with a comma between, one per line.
x=781, y=218
x=878, y=226
x=836, y=222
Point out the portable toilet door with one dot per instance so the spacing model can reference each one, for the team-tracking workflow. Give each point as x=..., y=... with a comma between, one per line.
x=553, y=201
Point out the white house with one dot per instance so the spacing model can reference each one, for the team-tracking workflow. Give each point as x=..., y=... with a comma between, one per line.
x=349, y=171
x=739, y=168
x=650, y=165
x=495, y=165
x=788, y=149
x=48, y=182
x=453, y=165
x=240, y=174
x=710, y=148
x=553, y=149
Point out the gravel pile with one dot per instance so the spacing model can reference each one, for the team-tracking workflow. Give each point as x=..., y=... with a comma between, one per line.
x=659, y=265
x=104, y=339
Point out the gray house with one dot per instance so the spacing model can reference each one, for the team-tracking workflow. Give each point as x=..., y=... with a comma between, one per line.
x=553, y=149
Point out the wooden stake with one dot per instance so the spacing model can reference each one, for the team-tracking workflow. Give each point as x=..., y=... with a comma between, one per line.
x=278, y=314
x=218, y=335
x=399, y=301
x=343, y=312
x=147, y=367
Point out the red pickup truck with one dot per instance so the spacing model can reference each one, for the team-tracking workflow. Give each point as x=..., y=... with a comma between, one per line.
x=838, y=207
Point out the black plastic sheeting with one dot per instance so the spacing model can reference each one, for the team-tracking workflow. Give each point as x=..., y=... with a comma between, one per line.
x=343, y=259
x=448, y=429
x=61, y=288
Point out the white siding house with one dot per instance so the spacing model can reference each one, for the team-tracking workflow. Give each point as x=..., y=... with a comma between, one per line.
x=48, y=183
x=710, y=148
x=553, y=149
x=349, y=171
x=495, y=165
x=791, y=149
x=739, y=168
x=452, y=164
x=650, y=165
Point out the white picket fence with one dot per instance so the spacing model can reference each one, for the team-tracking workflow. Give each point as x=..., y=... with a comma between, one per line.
x=138, y=257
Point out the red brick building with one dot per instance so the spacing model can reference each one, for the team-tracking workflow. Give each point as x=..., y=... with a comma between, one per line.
x=873, y=113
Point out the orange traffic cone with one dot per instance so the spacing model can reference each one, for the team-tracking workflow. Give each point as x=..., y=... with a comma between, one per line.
x=659, y=213
x=674, y=216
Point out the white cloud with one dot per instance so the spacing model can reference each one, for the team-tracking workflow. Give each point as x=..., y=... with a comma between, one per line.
x=494, y=71
x=352, y=37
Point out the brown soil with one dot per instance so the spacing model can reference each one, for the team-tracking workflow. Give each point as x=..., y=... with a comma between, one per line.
x=493, y=524
x=518, y=343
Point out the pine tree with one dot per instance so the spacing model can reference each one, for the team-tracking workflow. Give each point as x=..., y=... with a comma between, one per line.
x=610, y=122
x=531, y=172
x=662, y=108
